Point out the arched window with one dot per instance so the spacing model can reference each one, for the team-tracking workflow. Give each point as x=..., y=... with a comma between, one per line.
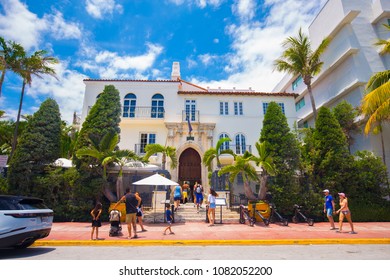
x=157, y=106
x=225, y=145
x=240, y=144
x=129, y=104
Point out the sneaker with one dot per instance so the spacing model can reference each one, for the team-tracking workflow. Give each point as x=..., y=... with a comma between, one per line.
x=135, y=237
x=332, y=228
x=143, y=230
x=172, y=232
x=353, y=232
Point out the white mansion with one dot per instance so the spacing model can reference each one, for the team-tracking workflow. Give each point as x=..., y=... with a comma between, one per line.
x=157, y=111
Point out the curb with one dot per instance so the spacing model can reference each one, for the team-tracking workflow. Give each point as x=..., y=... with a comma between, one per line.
x=356, y=241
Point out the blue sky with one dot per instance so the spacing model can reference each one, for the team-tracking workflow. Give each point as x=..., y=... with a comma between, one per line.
x=219, y=43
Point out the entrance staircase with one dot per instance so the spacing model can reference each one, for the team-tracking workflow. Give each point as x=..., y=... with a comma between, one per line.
x=188, y=213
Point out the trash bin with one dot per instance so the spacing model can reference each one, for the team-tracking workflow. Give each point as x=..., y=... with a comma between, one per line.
x=262, y=207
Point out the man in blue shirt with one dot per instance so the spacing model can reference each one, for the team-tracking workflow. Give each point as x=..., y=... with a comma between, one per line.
x=329, y=208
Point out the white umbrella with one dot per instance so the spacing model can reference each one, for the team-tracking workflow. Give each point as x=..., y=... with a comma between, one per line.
x=155, y=180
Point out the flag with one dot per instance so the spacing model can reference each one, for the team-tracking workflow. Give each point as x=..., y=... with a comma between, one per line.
x=189, y=124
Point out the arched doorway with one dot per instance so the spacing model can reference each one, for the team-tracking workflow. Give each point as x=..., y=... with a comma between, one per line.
x=190, y=166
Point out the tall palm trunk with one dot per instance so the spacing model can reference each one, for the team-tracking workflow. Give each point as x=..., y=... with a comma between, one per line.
x=248, y=191
x=163, y=161
x=313, y=104
x=263, y=186
x=15, y=139
x=383, y=148
x=2, y=80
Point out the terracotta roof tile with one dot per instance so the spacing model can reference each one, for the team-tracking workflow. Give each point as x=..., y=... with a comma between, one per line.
x=253, y=93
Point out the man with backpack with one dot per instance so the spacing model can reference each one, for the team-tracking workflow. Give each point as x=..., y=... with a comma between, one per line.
x=198, y=191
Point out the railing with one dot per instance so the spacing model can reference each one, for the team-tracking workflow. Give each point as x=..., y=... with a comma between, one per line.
x=143, y=112
x=192, y=115
x=237, y=200
x=238, y=149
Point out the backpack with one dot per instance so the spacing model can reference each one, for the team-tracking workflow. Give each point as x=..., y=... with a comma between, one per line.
x=199, y=189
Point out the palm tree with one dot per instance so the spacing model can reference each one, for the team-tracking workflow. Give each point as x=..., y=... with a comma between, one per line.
x=265, y=161
x=9, y=58
x=385, y=44
x=215, y=153
x=242, y=166
x=299, y=59
x=376, y=103
x=105, y=152
x=36, y=65
x=166, y=151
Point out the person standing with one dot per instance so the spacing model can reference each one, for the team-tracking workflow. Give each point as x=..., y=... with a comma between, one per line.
x=177, y=195
x=198, y=190
x=140, y=214
x=211, y=200
x=96, y=223
x=185, y=189
x=169, y=218
x=329, y=207
x=344, y=212
x=133, y=202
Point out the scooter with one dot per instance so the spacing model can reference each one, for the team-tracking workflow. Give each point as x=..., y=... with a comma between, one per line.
x=244, y=215
x=299, y=215
x=276, y=216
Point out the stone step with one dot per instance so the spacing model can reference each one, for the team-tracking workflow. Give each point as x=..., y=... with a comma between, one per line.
x=188, y=213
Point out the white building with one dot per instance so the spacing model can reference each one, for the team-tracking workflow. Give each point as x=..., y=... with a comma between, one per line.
x=349, y=62
x=156, y=111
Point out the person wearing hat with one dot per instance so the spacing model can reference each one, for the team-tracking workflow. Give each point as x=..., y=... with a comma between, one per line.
x=329, y=207
x=344, y=212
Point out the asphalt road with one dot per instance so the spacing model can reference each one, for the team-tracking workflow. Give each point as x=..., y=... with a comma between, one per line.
x=272, y=252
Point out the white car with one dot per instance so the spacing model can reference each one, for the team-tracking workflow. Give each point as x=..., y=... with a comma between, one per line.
x=23, y=220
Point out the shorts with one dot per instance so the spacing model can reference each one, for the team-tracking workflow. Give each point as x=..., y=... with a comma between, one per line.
x=212, y=206
x=345, y=212
x=199, y=197
x=96, y=223
x=169, y=222
x=130, y=218
x=176, y=198
x=329, y=211
x=139, y=213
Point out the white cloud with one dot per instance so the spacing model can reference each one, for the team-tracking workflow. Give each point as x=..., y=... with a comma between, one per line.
x=112, y=65
x=207, y=58
x=257, y=44
x=199, y=3
x=245, y=9
x=68, y=90
x=20, y=25
x=216, y=41
x=61, y=29
x=99, y=8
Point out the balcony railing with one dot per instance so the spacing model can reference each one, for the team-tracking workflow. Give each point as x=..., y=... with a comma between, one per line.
x=238, y=149
x=143, y=112
x=192, y=115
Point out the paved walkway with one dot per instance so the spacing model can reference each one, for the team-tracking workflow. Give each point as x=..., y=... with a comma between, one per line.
x=199, y=233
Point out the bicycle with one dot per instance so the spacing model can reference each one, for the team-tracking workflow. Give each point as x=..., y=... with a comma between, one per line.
x=275, y=215
x=244, y=215
x=299, y=215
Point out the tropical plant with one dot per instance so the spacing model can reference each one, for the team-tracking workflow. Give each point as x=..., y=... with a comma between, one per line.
x=215, y=153
x=39, y=146
x=298, y=59
x=105, y=151
x=376, y=103
x=265, y=161
x=166, y=151
x=243, y=167
x=346, y=115
x=9, y=58
x=103, y=118
x=38, y=64
x=385, y=44
x=331, y=159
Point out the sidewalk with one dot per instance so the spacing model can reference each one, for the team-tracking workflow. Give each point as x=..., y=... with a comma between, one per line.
x=200, y=234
